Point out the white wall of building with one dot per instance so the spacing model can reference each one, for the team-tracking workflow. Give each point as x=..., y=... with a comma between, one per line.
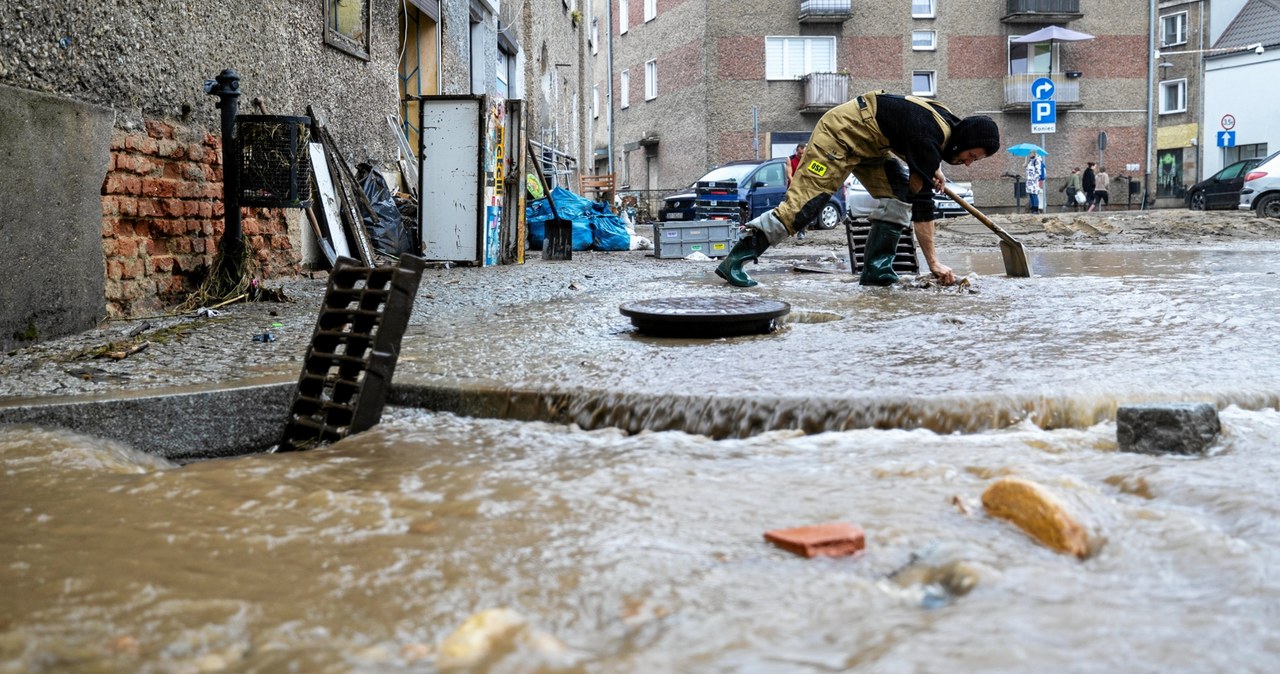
x=1241, y=85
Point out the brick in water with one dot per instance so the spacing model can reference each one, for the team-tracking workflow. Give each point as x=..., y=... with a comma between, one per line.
x=1170, y=428
x=838, y=539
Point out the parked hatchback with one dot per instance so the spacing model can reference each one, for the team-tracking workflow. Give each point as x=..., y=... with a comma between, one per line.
x=1261, y=190
x=1222, y=189
x=753, y=187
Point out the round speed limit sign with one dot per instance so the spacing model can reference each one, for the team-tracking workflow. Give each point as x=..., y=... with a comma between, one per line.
x=1228, y=122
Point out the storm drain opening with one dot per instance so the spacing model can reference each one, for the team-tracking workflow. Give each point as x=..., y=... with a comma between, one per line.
x=346, y=375
x=904, y=257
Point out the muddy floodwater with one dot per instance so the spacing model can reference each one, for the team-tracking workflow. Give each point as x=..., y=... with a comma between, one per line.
x=637, y=553
x=630, y=540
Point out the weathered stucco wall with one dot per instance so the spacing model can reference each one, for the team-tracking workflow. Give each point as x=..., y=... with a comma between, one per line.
x=145, y=62
x=53, y=155
x=148, y=59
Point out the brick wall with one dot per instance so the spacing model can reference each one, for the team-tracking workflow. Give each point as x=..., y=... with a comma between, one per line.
x=162, y=218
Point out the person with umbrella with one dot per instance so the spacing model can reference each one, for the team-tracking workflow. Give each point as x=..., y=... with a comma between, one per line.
x=867, y=136
x=1034, y=185
x=1035, y=181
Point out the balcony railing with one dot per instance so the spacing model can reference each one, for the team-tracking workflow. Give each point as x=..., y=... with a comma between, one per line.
x=1042, y=11
x=825, y=11
x=1017, y=90
x=823, y=91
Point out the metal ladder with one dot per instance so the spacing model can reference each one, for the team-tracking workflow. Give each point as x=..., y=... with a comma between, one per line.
x=346, y=375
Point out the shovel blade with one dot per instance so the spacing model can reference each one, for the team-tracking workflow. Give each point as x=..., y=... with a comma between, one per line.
x=1016, y=263
x=559, y=242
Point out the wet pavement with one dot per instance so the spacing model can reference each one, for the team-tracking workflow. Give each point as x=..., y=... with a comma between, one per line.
x=1104, y=320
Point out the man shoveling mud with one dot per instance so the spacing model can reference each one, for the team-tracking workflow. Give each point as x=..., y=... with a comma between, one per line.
x=867, y=136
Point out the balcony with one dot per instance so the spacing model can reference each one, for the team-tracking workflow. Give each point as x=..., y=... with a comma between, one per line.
x=823, y=91
x=825, y=11
x=1017, y=90
x=1041, y=11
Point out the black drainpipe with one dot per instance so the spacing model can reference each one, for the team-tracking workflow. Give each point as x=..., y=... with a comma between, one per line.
x=226, y=86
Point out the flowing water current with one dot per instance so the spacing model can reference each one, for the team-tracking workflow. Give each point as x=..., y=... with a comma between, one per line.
x=637, y=553
x=643, y=551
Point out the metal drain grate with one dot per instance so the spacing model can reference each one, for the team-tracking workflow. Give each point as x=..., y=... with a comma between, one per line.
x=346, y=375
x=904, y=258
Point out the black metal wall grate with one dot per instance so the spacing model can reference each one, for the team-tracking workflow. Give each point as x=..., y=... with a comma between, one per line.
x=274, y=161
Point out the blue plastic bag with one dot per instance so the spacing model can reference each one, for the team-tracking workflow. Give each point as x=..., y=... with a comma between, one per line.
x=594, y=226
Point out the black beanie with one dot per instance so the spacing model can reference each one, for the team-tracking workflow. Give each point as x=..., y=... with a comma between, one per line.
x=973, y=132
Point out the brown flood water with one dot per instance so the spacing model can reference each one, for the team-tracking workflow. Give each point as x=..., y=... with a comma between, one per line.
x=638, y=553
x=642, y=553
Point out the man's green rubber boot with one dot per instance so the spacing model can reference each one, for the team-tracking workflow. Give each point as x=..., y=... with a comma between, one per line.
x=877, y=256
x=751, y=246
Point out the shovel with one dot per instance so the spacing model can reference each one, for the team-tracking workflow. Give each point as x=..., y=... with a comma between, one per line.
x=558, y=244
x=1015, y=255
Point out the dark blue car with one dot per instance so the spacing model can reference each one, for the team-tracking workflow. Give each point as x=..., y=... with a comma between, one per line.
x=751, y=187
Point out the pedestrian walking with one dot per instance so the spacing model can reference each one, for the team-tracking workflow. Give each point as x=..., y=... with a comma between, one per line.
x=1089, y=182
x=1101, y=193
x=867, y=136
x=1072, y=188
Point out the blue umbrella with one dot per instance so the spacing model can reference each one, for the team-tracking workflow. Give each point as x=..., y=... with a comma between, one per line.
x=1024, y=149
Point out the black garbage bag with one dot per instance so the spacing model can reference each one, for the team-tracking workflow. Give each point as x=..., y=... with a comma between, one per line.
x=386, y=230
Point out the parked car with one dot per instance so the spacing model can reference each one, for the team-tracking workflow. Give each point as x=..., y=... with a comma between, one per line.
x=678, y=206
x=754, y=186
x=1222, y=189
x=1261, y=190
x=859, y=203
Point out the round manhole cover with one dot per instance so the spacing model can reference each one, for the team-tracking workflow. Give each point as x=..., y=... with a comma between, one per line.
x=704, y=316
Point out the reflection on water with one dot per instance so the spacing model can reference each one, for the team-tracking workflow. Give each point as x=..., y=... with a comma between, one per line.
x=641, y=553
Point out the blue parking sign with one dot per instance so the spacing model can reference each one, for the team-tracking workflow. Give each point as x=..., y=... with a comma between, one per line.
x=1044, y=116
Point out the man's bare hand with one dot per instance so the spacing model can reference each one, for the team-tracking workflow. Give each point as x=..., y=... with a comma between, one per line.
x=939, y=180
x=944, y=274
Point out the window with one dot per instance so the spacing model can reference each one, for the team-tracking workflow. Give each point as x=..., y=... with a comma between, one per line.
x=595, y=35
x=624, y=21
x=1173, y=97
x=1030, y=58
x=1253, y=151
x=922, y=82
x=595, y=101
x=650, y=80
x=650, y=10
x=923, y=9
x=1173, y=29
x=924, y=40
x=788, y=58
x=504, y=77
x=346, y=26
x=771, y=175
x=624, y=89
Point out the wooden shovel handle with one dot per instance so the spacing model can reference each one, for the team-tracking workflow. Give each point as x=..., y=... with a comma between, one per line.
x=1004, y=236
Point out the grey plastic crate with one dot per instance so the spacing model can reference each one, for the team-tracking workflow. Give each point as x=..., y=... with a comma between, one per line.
x=713, y=238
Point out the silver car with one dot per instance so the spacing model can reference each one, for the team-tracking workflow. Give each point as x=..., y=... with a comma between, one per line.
x=1261, y=190
x=859, y=203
